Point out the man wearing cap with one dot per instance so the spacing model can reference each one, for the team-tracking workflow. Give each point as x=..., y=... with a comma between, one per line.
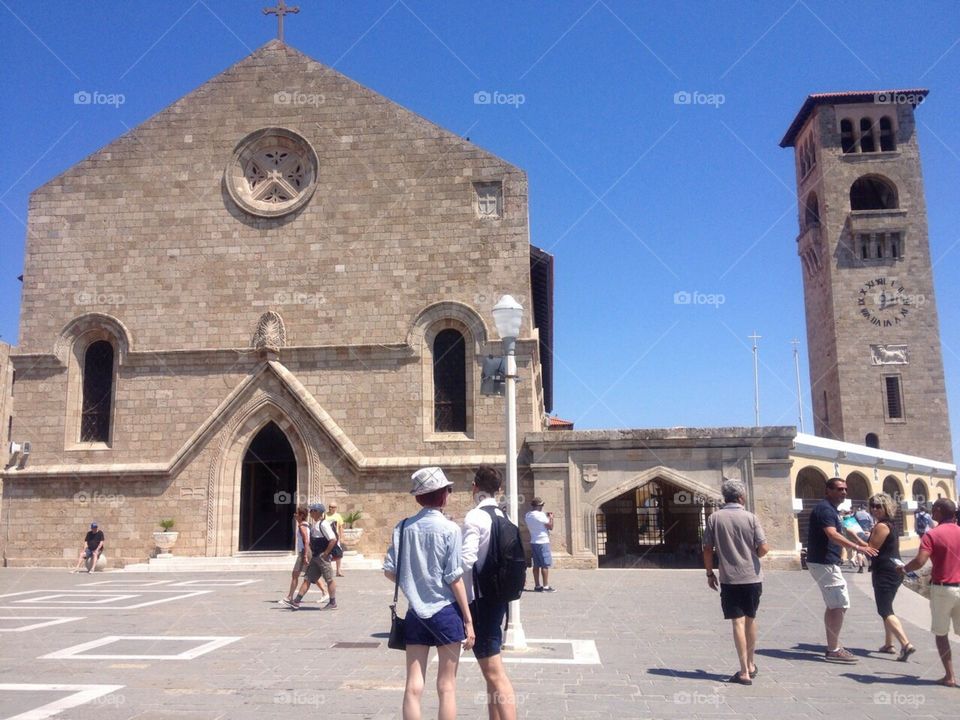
x=322, y=541
x=93, y=546
x=540, y=524
x=941, y=545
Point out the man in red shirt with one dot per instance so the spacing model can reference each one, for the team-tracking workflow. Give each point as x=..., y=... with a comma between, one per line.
x=941, y=545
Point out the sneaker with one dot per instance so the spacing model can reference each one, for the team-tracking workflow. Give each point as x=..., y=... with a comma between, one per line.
x=538, y=589
x=332, y=605
x=286, y=602
x=842, y=655
x=547, y=588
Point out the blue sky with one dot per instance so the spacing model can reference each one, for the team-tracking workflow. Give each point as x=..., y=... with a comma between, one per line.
x=639, y=198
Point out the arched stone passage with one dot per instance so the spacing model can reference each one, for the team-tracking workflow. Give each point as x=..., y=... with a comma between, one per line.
x=225, y=482
x=268, y=491
x=811, y=482
x=810, y=485
x=858, y=489
x=655, y=519
x=893, y=487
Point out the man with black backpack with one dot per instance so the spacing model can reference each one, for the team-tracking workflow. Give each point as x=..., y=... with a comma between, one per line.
x=494, y=568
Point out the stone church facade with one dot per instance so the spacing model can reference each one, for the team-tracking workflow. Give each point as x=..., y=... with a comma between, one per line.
x=279, y=290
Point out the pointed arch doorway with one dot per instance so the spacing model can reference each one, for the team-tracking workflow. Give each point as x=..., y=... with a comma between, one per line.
x=268, y=492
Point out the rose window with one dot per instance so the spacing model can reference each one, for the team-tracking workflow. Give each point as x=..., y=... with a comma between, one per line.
x=272, y=172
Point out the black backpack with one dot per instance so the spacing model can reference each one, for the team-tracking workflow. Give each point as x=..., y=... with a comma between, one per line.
x=505, y=567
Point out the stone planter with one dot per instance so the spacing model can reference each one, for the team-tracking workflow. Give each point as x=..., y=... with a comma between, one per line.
x=350, y=538
x=165, y=541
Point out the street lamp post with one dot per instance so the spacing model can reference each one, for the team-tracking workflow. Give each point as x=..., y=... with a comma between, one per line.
x=508, y=316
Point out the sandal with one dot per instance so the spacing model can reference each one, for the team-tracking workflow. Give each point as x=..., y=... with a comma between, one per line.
x=754, y=672
x=735, y=678
x=906, y=653
x=888, y=650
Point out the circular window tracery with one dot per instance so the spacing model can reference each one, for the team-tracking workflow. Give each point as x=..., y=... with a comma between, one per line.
x=272, y=172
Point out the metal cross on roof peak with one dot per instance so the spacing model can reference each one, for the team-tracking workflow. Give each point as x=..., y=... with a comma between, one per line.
x=280, y=10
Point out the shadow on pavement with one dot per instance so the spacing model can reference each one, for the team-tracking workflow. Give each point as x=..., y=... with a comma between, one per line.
x=689, y=674
x=894, y=680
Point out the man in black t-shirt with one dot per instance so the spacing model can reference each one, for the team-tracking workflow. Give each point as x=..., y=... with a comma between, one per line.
x=824, y=547
x=92, y=547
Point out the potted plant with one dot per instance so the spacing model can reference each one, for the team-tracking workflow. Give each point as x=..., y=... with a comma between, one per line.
x=349, y=535
x=165, y=539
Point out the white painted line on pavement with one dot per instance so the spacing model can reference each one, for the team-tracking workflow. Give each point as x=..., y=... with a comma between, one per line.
x=41, y=603
x=75, y=599
x=136, y=583
x=82, y=694
x=51, y=620
x=217, y=583
x=78, y=652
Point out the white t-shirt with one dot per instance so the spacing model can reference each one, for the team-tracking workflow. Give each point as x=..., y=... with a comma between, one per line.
x=476, y=541
x=537, y=523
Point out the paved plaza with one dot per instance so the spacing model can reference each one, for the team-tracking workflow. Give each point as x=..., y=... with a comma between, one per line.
x=608, y=644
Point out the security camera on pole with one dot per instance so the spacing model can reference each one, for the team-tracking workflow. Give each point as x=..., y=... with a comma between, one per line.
x=508, y=316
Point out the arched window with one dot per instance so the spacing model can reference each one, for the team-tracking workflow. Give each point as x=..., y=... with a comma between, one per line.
x=811, y=213
x=920, y=492
x=873, y=193
x=867, y=142
x=97, y=392
x=872, y=441
x=848, y=143
x=887, y=141
x=449, y=382
x=892, y=487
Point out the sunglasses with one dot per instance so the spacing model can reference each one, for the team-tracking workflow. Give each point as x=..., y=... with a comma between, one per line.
x=876, y=507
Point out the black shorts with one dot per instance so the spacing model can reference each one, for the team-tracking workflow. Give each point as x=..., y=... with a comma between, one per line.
x=738, y=601
x=488, y=627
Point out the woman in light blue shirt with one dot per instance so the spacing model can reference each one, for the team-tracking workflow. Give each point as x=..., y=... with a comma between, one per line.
x=431, y=579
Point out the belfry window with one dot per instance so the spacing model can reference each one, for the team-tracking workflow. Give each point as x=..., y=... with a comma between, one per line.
x=873, y=193
x=867, y=143
x=97, y=392
x=811, y=215
x=449, y=382
x=848, y=143
x=887, y=141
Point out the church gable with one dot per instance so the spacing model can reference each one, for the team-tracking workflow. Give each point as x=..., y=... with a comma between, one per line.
x=394, y=214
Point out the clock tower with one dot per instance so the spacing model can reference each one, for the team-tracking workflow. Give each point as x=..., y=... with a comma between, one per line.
x=876, y=371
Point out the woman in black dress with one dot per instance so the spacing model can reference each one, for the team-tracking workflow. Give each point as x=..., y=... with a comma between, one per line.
x=886, y=575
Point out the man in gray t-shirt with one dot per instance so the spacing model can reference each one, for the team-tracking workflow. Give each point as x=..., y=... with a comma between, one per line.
x=736, y=535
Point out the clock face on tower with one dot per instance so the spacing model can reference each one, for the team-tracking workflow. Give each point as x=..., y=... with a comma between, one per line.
x=884, y=302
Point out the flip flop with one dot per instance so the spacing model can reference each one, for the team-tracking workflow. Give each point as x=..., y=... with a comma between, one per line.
x=755, y=671
x=943, y=682
x=735, y=678
x=888, y=650
x=906, y=653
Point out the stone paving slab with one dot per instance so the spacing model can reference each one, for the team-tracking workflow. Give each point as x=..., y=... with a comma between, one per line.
x=665, y=652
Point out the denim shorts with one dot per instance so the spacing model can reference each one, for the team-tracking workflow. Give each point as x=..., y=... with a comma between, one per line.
x=488, y=627
x=445, y=627
x=541, y=555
